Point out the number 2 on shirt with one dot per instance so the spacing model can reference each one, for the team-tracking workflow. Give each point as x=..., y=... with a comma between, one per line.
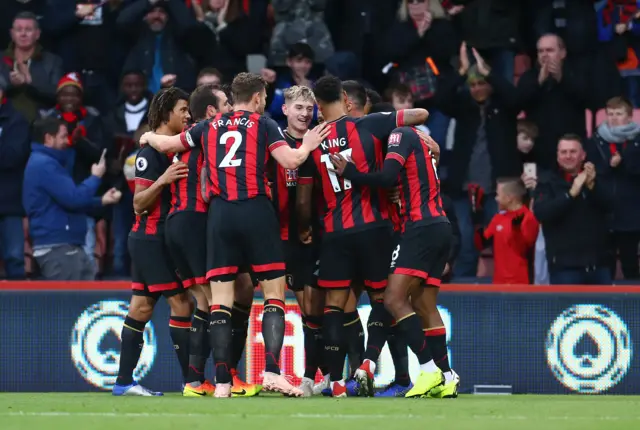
x=228, y=160
x=333, y=178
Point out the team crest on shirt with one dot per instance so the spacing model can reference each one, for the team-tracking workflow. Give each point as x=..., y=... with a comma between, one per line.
x=141, y=164
x=499, y=227
x=394, y=139
x=291, y=177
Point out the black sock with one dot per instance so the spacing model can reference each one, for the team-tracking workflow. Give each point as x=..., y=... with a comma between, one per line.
x=333, y=334
x=437, y=342
x=354, y=340
x=377, y=330
x=180, y=330
x=197, y=357
x=240, y=326
x=312, y=329
x=400, y=357
x=273, y=333
x=410, y=330
x=220, y=338
x=130, y=349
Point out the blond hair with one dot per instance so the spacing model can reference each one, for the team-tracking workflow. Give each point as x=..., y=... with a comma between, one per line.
x=299, y=92
x=434, y=7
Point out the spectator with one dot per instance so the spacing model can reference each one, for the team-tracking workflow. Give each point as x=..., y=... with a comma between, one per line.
x=572, y=206
x=401, y=98
x=81, y=28
x=122, y=123
x=299, y=21
x=615, y=152
x=555, y=97
x=492, y=27
x=57, y=207
x=229, y=29
x=512, y=233
x=157, y=47
x=9, y=9
x=527, y=135
x=85, y=134
x=31, y=72
x=299, y=61
x=14, y=152
x=209, y=75
x=421, y=43
x=485, y=143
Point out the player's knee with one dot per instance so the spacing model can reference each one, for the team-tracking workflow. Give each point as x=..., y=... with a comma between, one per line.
x=141, y=310
x=393, y=302
x=202, y=301
x=181, y=305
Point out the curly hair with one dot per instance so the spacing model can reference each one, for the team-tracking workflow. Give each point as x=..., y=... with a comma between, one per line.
x=162, y=104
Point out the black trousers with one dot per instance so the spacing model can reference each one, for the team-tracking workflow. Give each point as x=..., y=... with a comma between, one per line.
x=625, y=243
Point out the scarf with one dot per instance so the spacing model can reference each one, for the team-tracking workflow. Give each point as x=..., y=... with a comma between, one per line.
x=75, y=122
x=618, y=134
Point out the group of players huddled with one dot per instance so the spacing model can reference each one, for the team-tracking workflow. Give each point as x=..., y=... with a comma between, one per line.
x=231, y=200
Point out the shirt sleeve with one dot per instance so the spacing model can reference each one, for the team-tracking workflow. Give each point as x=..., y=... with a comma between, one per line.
x=306, y=172
x=400, y=146
x=381, y=124
x=148, y=167
x=384, y=178
x=275, y=136
x=193, y=137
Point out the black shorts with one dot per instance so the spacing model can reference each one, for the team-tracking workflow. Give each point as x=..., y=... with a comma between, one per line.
x=153, y=273
x=300, y=262
x=243, y=233
x=423, y=252
x=362, y=256
x=185, y=235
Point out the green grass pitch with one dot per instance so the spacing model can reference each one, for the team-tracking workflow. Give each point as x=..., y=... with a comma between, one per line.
x=55, y=411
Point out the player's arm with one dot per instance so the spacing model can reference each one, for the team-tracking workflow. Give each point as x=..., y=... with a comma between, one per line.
x=291, y=158
x=150, y=181
x=179, y=143
x=411, y=117
x=304, y=196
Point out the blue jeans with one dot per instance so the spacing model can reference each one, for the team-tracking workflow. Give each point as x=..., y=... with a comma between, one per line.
x=632, y=89
x=122, y=222
x=12, y=246
x=597, y=276
x=467, y=263
x=90, y=242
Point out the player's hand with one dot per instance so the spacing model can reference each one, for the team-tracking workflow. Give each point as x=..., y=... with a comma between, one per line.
x=339, y=163
x=98, y=169
x=111, y=197
x=616, y=159
x=174, y=172
x=394, y=194
x=314, y=137
x=306, y=237
x=433, y=146
x=168, y=80
x=146, y=138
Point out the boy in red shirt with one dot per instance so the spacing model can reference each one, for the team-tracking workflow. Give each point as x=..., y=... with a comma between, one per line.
x=513, y=232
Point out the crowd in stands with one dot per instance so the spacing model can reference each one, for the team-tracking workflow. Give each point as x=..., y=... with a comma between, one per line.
x=541, y=91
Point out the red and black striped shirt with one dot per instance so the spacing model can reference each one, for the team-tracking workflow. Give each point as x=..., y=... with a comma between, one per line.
x=347, y=208
x=236, y=150
x=283, y=190
x=186, y=193
x=419, y=182
x=150, y=165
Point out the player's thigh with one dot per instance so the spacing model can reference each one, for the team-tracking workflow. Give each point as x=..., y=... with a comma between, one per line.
x=299, y=263
x=410, y=256
x=374, y=256
x=244, y=288
x=337, y=263
x=185, y=235
x=437, y=252
x=153, y=267
x=261, y=241
x=224, y=249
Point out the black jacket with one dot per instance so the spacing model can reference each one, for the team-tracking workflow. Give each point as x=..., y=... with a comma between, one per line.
x=487, y=24
x=624, y=180
x=14, y=152
x=502, y=111
x=575, y=229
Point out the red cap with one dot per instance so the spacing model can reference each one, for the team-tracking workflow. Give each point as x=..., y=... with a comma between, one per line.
x=70, y=79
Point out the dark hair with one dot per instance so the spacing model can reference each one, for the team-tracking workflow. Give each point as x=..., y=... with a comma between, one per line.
x=301, y=50
x=136, y=72
x=328, y=89
x=373, y=96
x=382, y=107
x=209, y=71
x=48, y=125
x=529, y=128
x=571, y=136
x=162, y=104
x=27, y=15
x=513, y=186
x=356, y=93
x=245, y=85
x=201, y=99
x=399, y=89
